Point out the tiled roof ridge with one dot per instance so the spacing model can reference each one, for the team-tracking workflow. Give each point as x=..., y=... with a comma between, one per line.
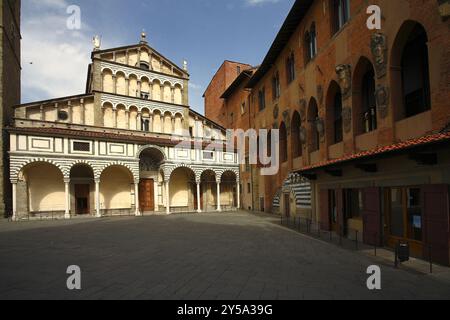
x=380, y=150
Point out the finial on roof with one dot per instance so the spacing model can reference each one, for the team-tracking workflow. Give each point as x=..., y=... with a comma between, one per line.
x=185, y=65
x=97, y=42
x=143, y=37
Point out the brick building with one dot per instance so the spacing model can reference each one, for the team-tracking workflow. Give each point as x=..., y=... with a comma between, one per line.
x=364, y=116
x=224, y=77
x=10, y=70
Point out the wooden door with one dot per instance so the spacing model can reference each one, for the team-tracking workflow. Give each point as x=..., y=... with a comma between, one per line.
x=436, y=222
x=82, y=202
x=147, y=195
x=372, y=216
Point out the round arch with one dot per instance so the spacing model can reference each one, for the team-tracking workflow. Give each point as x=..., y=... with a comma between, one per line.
x=296, y=142
x=364, y=109
x=410, y=71
x=333, y=114
x=313, y=132
x=182, y=186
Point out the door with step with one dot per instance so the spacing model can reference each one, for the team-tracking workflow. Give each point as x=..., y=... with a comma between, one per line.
x=147, y=195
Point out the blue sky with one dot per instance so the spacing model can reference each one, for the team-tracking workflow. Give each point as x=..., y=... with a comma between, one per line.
x=204, y=32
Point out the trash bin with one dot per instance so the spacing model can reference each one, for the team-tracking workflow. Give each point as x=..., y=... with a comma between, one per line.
x=403, y=252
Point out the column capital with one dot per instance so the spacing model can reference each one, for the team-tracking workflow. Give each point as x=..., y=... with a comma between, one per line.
x=66, y=180
x=97, y=180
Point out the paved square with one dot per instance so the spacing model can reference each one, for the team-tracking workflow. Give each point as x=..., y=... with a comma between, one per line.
x=208, y=256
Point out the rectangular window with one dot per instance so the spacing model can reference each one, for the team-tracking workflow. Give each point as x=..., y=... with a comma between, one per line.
x=276, y=89
x=340, y=14
x=82, y=146
x=249, y=188
x=290, y=68
x=247, y=164
x=262, y=99
x=405, y=214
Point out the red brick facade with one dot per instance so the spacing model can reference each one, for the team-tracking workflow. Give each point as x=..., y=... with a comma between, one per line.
x=224, y=77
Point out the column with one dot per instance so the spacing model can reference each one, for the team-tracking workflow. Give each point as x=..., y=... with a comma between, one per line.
x=219, y=208
x=83, y=112
x=97, y=198
x=172, y=95
x=138, y=121
x=127, y=86
x=41, y=110
x=150, y=94
x=114, y=83
x=136, y=197
x=173, y=124
x=238, y=190
x=70, y=111
x=114, y=117
x=167, y=197
x=151, y=122
x=67, y=193
x=139, y=88
x=56, y=111
x=127, y=117
x=199, y=207
x=14, y=201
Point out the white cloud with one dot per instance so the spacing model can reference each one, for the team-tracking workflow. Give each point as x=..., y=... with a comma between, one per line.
x=259, y=2
x=54, y=58
x=195, y=86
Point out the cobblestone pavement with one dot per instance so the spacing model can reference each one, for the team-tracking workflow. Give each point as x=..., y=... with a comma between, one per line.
x=208, y=256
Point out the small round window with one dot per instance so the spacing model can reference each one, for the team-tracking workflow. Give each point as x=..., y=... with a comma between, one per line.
x=63, y=116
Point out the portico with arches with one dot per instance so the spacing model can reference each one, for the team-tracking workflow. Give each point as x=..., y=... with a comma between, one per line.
x=130, y=145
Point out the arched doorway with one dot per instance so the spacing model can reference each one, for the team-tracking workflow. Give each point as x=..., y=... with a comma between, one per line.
x=208, y=191
x=82, y=189
x=228, y=191
x=182, y=188
x=151, y=181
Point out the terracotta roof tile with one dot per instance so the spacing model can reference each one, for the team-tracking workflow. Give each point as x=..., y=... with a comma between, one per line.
x=382, y=150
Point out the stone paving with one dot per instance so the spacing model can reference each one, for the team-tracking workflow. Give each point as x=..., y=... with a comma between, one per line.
x=207, y=256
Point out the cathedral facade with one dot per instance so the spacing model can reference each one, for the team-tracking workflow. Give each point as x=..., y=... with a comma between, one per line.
x=130, y=145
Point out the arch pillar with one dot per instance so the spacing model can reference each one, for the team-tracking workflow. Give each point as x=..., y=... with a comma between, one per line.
x=97, y=198
x=199, y=205
x=166, y=185
x=14, y=200
x=67, y=198
x=136, y=197
x=219, y=207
